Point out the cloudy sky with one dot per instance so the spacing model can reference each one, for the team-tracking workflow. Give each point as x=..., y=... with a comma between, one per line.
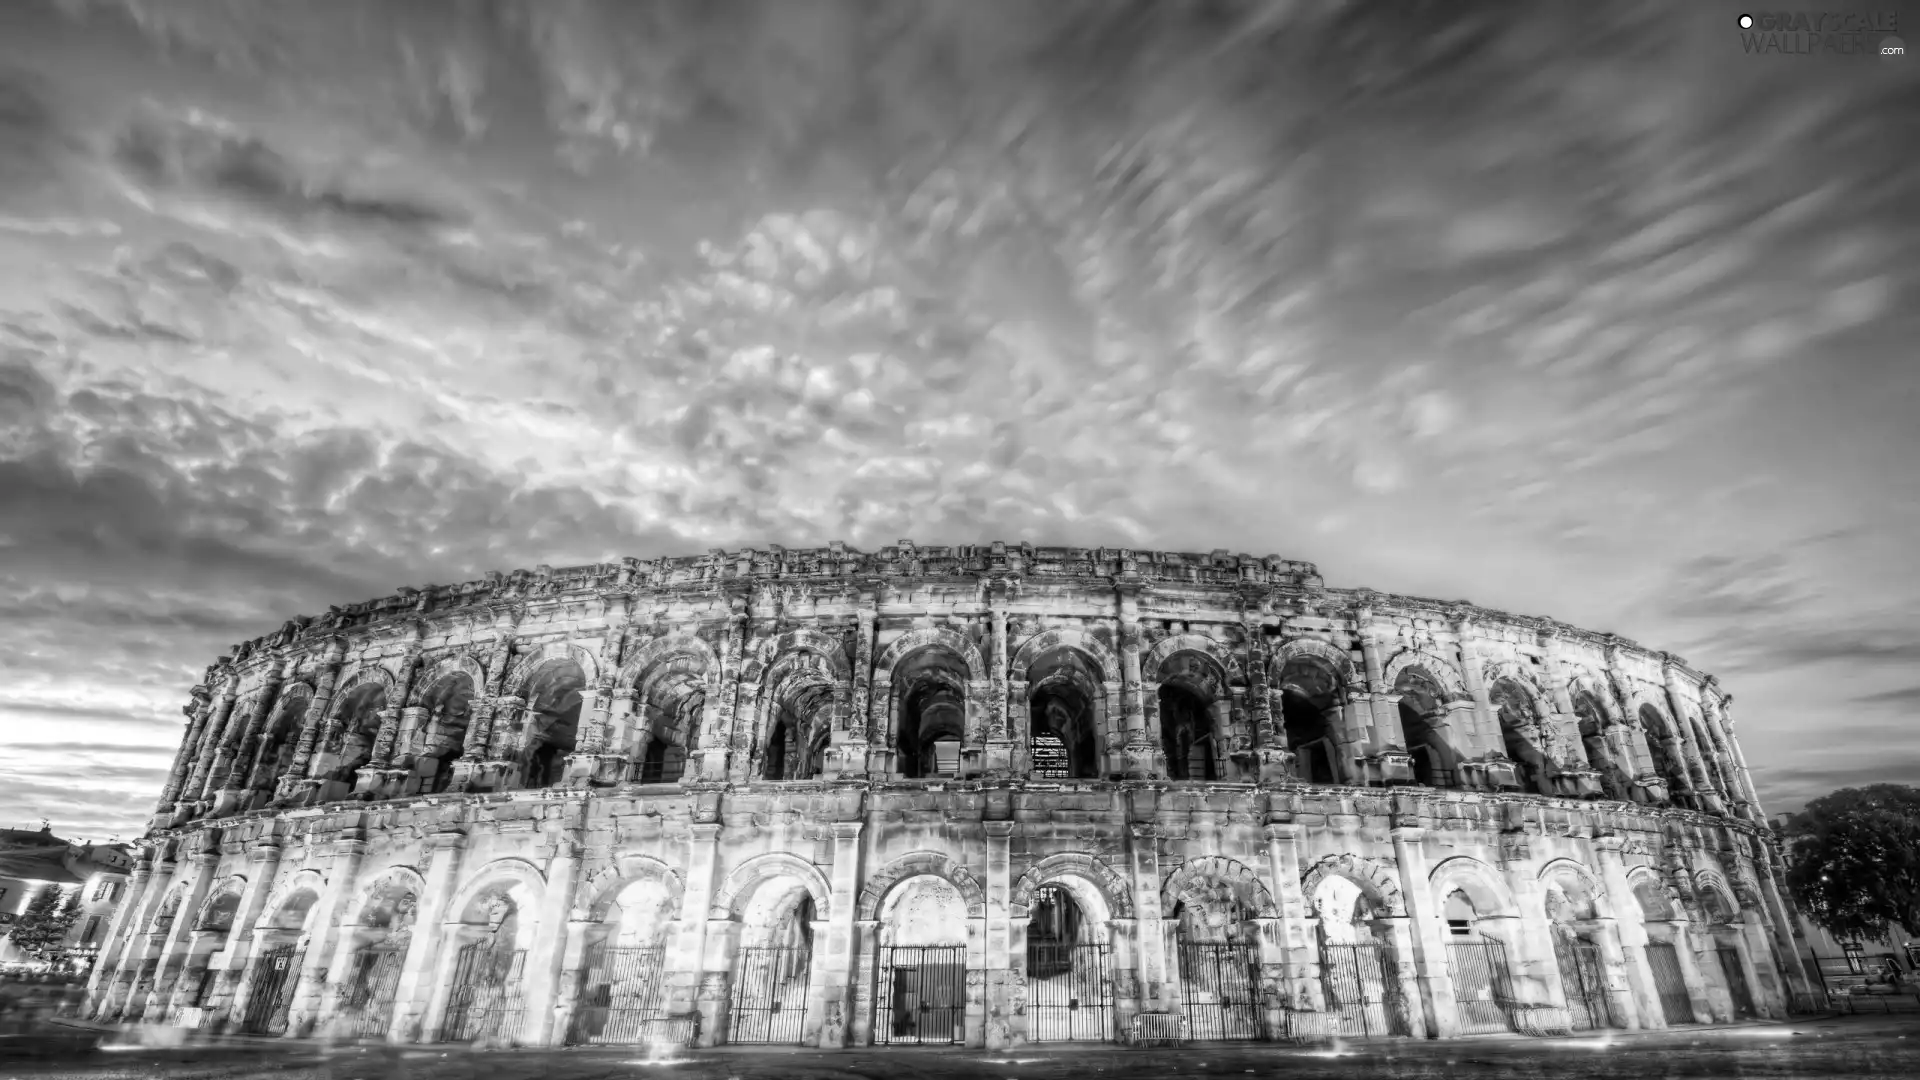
x=1588, y=315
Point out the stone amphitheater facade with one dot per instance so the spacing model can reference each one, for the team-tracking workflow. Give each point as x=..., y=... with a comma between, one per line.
x=980, y=795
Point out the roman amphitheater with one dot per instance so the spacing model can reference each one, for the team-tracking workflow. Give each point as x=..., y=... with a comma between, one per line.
x=981, y=795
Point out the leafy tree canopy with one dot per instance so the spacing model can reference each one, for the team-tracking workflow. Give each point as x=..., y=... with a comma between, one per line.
x=1854, y=860
x=43, y=925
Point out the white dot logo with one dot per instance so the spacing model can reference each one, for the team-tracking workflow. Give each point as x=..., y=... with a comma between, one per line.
x=1746, y=22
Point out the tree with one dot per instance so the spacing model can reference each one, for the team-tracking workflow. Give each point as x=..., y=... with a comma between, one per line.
x=42, y=929
x=1854, y=860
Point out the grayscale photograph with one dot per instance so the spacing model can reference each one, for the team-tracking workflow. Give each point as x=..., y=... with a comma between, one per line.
x=1003, y=539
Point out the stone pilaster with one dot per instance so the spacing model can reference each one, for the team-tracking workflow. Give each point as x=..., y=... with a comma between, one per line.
x=119, y=934
x=1003, y=997
x=418, y=999
x=835, y=962
x=1156, y=983
x=687, y=960
x=1432, y=982
x=547, y=958
x=293, y=784
x=216, y=737
x=230, y=960
x=326, y=949
x=1637, y=976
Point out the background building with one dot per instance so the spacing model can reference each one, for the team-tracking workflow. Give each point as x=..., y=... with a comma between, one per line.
x=979, y=795
x=32, y=861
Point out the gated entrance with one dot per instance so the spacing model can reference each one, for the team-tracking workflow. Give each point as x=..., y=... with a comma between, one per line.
x=373, y=976
x=270, y=990
x=1220, y=985
x=1581, y=979
x=487, y=1002
x=1362, y=986
x=770, y=994
x=1669, y=983
x=1736, y=982
x=1069, y=992
x=923, y=995
x=623, y=995
x=1482, y=986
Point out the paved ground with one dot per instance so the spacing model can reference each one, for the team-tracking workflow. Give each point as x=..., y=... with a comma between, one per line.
x=1860, y=1047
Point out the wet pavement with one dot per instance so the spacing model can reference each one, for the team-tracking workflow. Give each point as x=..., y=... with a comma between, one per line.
x=1850, y=1046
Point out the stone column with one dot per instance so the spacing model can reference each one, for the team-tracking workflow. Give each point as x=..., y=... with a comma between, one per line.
x=1432, y=981
x=1613, y=962
x=1273, y=761
x=294, y=783
x=688, y=958
x=1381, y=718
x=197, y=715
x=120, y=927
x=1799, y=980
x=1283, y=860
x=216, y=737
x=573, y=961
x=179, y=947
x=1003, y=996
x=1722, y=724
x=1536, y=970
x=848, y=752
x=1483, y=721
x=1155, y=982
x=418, y=999
x=325, y=957
x=835, y=962
x=1691, y=760
x=548, y=957
x=1002, y=741
x=1645, y=1012
x=142, y=942
x=230, y=960
x=1697, y=990
x=232, y=775
x=1143, y=745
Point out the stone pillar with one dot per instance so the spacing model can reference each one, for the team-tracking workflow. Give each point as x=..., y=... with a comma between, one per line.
x=1799, y=980
x=848, y=751
x=325, y=957
x=1692, y=763
x=1470, y=675
x=1535, y=970
x=547, y=959
x=1142, y=745
x=1426, y=938
x=688, y=958
x=197, y=715
x=1381, y=718
x=418, y=999
x=294, y=783
x=834, y=964
x=200, y=866
x=233, y=765
x=216, y=737
x=866, y=953
x=1302, y=962
x=1005, y=993
x=230, y=960
x=1002, y=740
x=573, y=962
x=1273, y=761
x=1697, y=990
x=141, y=940
x=1613, y=962
x=1155, y=982
x=120, y=927
x=1637, y=976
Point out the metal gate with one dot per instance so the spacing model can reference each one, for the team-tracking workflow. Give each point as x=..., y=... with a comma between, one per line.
x=1220, y=985
x=1482, y=987
x=1361, y=983
x=276, y=974
x=486, y=1002
x=769, y=994
x=1069, y=992
x=373, y=978
x=1736, y=982
x=1583, y=981
x=1669, y=983
x=623, y=995
x=923, y=995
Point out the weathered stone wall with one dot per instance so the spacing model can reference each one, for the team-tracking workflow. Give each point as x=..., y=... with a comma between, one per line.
x=718, y=758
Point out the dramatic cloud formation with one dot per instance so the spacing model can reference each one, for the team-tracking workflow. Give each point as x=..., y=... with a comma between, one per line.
x=1577, y=311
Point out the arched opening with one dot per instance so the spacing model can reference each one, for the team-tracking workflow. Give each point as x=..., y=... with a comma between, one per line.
x=1661, y=748
x=1065, y=715
x=211, y=927
x=669, y=701
x=1615, y=781
x=274, y=974
x=1482, y=980
x=1519, y=733
x=1309, y=702
x=550, y=723
x=487, y=1003
x=275, y=759
x=443, y=738
x=1192, y=690
x=1359, y=969
x=379, y=945
x=1658, y=915
x=623, y=977
x=931, y=689
x=1218, y=963
x=772, y=969
x=357, y=727
x=1422, y=707
x=922, y=995
x=1068, y=971
x=1576, y=951
x=800, y=697
x=1728, y=966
